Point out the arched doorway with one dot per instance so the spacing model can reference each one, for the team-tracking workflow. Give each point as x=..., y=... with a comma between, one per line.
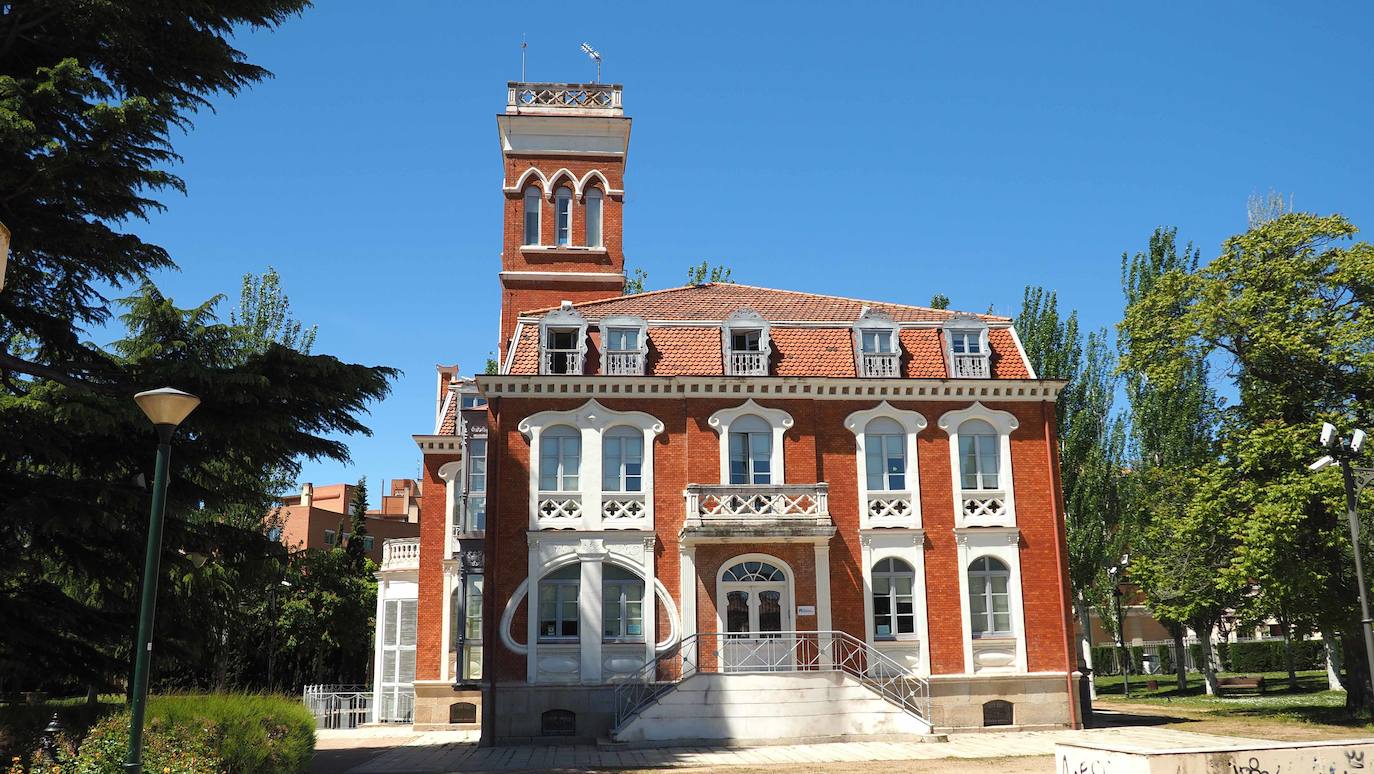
x=755, y=604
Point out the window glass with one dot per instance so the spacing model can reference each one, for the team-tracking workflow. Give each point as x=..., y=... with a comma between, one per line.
x=477, y=485
x=533, y=198
x=563, y=224
x=558, y=616
x=894, y=610
x=989, y=600
x=877, y=341
x=560, y=455
x=966, y=342
x=622, y=339
x=745, y=341
x=979, y=450
x=622, y=604
x=751, y=451
x=471, y=401
x=885, y=455
x=622, y=460
x=593, y=205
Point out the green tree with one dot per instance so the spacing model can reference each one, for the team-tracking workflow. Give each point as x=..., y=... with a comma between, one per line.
x=939, y=301
x=357, y=523
x=634, y=281
x=706, y=272
x=264, y=316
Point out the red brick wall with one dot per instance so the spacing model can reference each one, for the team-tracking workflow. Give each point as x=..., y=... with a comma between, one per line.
x=816, y=448
x=429, y=614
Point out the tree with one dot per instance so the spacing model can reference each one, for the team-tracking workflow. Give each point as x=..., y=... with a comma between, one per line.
x=705, y=272
x=357, y=517
x=939, y=301
x=264, y=316
x=634, y=282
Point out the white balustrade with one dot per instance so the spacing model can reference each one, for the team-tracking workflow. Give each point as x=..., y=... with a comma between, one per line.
x=982, y=504
x=971, y=367
x=748, y=363
x=562, y=361
x=401, y=554
x=560, y=509
x=561, y=97
x=889, y=506
x=880, y=365
x=758, y=503
x=623, y=363
x=623, y=509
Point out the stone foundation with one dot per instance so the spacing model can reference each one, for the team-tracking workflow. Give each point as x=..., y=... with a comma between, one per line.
x=1037, y=700
x=439, y=706
x=537, y=714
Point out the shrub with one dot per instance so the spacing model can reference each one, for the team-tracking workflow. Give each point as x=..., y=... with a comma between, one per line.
x=1164, y=656
x=210, y=734
x=1269, y=656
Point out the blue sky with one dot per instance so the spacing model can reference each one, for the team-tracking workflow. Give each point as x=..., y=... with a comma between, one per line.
x=885, y=151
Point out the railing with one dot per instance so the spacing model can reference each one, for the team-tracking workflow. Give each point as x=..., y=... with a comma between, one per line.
x=879, y=365
x=401, y=554
x=818, y=651
x=564, y=96
x=622, y=506
x=562, y=361
x=396, y=705
x=707, y=503
x=984, y=504
x=889, y=506
x=624, y=363
x=338, y=706
x=560, y=507
x=748, y=364
x=971, y=367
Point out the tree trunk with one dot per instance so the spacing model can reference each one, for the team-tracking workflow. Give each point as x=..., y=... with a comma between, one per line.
x=1288, y=655
x=1333, y=660
x=92, y=696
x=1085, y=644
x=1358, y=700
x=1207, y=654
x=1180, y=657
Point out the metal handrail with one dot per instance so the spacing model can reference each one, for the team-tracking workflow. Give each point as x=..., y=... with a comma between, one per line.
x=793, y=651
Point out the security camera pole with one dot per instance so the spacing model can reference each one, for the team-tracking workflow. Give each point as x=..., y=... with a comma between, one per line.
x=1355, y=479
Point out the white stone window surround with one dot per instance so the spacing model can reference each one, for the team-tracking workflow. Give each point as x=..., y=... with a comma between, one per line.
x=579, y=186
x=565, y=318
x=992, y=655
x=1004, y=423
x=875, y=320
x=965, y=366
x=908, y=546
x=912, y=422
x=592, y=419
x=789, y=601
x=594, y=214
x=777, y=419
x=532, y=199
x=451, y=473
x=596, y=661
x=625, y=364
x=750, y=363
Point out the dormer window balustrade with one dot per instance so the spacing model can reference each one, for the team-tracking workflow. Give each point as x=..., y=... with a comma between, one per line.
x=966, y=347
x=624, y=345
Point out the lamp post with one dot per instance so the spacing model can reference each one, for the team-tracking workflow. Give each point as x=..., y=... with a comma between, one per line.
x=272, y=634
x=1118, y=577
x=1344, y=452
x=166, y=408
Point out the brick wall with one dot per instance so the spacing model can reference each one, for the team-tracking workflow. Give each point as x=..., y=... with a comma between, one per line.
x=429, y=614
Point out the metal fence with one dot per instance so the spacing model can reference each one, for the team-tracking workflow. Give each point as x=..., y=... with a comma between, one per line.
x=1156, y=657
x=338, y=706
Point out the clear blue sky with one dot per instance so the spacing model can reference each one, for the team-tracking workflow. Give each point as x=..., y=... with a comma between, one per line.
x=881, y=151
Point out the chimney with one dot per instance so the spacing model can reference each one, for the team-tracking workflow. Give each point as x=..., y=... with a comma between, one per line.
x=308, y=495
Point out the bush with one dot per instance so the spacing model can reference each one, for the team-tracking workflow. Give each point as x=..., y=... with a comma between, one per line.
x=207, y=735
x=1269, y=656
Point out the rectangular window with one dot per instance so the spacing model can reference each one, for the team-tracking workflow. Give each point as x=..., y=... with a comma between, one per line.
x=368, y=542
x=561, y=355
x=622, y=463
x=330, y=537
x=745, y=341
x=622, y=610
x=471, y=401
x=592, y=209
x=877, y=342
x=558, y=463
x=978, y=463
x=989, y=607
x=966, y=342
x=886, y=462
x=751, y=458
x=622, y=340
x=558, y=616
x=398, y=642
x=477, y=485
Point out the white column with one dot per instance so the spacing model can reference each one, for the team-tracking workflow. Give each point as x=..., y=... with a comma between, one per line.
x=866, y=557
x=687, y=575
x=532, y=616
x=650, y=608
x=823, y=622
x=446, y=620
x=378, y=633
x=589, y=624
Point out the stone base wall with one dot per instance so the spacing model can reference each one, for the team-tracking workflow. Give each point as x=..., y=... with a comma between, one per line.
x=441, y=707
x=1037, y=701
x=520, y=713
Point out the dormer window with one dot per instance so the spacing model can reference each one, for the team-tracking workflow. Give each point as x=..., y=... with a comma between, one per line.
x=623, y=346
x=875, y=336
x=533, y=200
x=966, y=347
x=562, y=203
x=562, y=341
x=746, y=344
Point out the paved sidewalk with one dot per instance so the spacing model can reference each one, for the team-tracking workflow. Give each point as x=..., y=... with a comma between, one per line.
x=453, y=752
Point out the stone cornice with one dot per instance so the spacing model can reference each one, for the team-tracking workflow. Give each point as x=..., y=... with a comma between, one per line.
x=779, y=387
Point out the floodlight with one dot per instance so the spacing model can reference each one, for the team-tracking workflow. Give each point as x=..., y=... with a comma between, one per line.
x=1321, y=463
x=1356, y=441
x=1328, y=433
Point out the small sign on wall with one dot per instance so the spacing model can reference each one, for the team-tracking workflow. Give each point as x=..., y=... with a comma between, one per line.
x=805, y=610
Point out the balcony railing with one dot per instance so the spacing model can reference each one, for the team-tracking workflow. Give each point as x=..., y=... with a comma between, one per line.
x=889, y=507
x=401, y=554
x=756, y=504
x=624, y=363
x=563, y=97
x=562, y=361
x=748, y=363
x=559, y=509
x=880, y=365
x=971, y=367
x=623, y=509
x=984, y=505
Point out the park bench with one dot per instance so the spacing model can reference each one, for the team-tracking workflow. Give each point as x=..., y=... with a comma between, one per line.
x=1227, y=685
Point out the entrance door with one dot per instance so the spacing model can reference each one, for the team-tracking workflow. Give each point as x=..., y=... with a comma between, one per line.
x=758, y=619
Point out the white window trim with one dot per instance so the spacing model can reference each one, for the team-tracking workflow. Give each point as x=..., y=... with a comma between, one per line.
x=1004, y=423
x=625, y=321
x=451, y=473
x=789, y=603
x=875, y=320
x=563, y=318
x=571, y=187
x=913, y=423
x=909, y=546
x=539, y=216
x=745, y=320
x=591, y=419
x=966, y=322
x=1002, y=544
x=601, y=216
x=778, y=419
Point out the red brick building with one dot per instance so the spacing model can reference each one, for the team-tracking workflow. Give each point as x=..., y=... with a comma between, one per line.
x=774, y=500
x=318, y=517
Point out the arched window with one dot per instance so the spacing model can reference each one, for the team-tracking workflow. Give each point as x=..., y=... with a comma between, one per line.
x=533, y=202
x=989, y=605
x=885, y=449
x=593, y=215
x=560, y=455
x=979, y=464
x=622, y=460
x=752, y=571
x=622, y=604
x=751, y=451
x=562, y=201
x=558, y=614
x=894, y=611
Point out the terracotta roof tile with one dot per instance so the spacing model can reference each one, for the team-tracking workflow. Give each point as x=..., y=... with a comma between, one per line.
x=924, y=354
x=1006, y=357
x=813, y=352
x=685, y=352
x=526, y=360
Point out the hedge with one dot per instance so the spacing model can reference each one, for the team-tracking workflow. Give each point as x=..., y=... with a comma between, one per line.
x=1269, y=656
x=202, y=734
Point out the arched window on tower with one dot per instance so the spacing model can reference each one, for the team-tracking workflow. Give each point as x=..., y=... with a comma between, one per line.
x=593, y=213
x=562, y=199
x=533, y=200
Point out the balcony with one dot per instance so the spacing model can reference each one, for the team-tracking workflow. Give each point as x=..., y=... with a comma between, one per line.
x=890, y=509
x=564, y=98
x=985, y=508
x=971, y=367
x=629, y=363
x=763, y=510
x=748, y=363
x=559, y=510
x=561, y=361
x=623, y=510
x=401, y=554
x=879, y=365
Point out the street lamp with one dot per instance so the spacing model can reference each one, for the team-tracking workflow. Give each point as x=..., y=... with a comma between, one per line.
x=166, y=408
x=1117, y=593
x=1355, y=479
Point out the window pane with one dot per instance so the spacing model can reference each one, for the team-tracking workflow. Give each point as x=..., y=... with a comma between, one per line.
x=477, y=513
x=563, y=202
x=1002, y=622
x=987, y=460
x=548, y=469
x=532, y=199
x=968, y=462
x=873, y=453
x=593, y=218
x=881, y=585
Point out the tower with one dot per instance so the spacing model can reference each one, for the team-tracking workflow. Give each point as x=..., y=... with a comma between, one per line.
x=563, y=148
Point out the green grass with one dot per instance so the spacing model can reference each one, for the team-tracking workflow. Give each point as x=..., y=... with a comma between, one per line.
x=1310, y=702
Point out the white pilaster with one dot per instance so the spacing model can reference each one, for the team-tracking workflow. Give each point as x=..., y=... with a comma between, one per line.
x=687, y=574
x=532, y=618
x=445, y=635
x=378, y=633
x=823, y=620
x=589, y=623
x=650, y=608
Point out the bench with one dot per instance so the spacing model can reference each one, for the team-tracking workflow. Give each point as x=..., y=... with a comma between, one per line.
x=1227, y=685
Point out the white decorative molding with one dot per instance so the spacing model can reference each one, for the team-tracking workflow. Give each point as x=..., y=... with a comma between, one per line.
x=662, y=597
x=564, y=318
x=534, y=172
x=745, y=363
x=778, y=419
x=534, y=386
x=881, y=507
x=1004, y=545
x=451, y=474
x=561, y=176
x=983, y=507
x=624, y=362
x=965, y=366
x=876, y=365
x=789, y=596
x=908, y=546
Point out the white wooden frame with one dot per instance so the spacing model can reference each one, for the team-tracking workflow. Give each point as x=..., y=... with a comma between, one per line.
x=778, y=419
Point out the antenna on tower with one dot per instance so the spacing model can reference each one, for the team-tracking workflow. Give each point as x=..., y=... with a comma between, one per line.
x=596, y=55
x=523, y=46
